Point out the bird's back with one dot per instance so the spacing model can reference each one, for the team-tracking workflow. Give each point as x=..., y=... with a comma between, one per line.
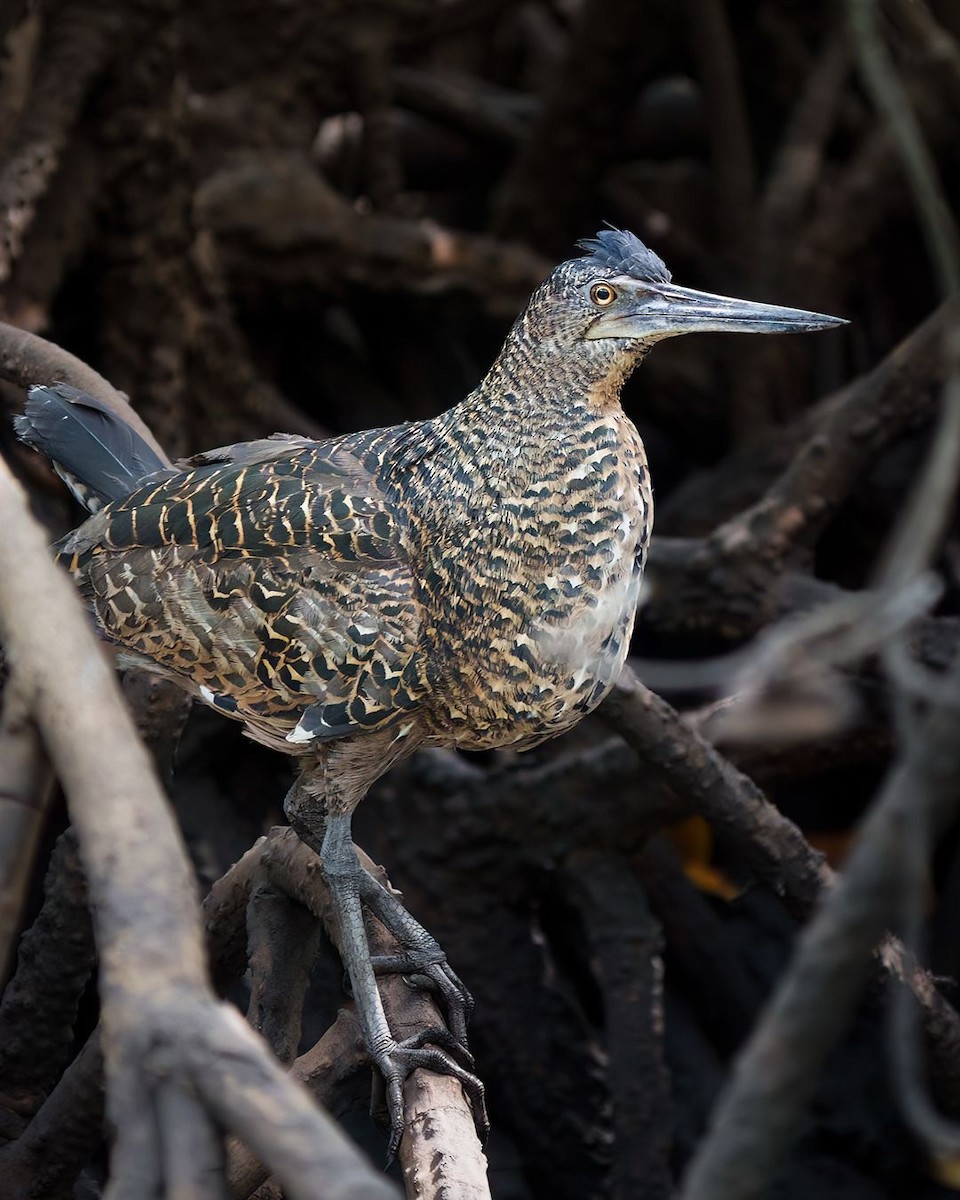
x=271, y=579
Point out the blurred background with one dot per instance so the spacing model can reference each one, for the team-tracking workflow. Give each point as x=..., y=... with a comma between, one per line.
x=321, y=215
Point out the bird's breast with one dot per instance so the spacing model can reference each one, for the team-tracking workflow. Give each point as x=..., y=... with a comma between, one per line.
x=534, y=600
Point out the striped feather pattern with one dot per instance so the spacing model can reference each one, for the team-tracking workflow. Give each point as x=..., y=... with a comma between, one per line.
x=469, y=580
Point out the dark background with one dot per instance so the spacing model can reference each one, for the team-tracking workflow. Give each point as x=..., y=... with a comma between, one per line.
x=317, y=216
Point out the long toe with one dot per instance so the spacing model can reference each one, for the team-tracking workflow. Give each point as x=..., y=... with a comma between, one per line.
x=429, y=969
x=441, y=1037
x=401, y=1059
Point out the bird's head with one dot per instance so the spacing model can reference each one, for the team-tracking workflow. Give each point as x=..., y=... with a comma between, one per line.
x=610, y=306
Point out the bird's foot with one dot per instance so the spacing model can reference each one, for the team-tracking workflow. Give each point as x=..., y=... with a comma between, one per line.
x=426, y=967
x=398, y=1060
x=423, y=961
x=351, y=888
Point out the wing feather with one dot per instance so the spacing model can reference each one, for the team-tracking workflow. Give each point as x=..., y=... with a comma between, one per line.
x=276, y=586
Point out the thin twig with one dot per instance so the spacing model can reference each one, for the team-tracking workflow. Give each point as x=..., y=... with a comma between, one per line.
x=888, y=94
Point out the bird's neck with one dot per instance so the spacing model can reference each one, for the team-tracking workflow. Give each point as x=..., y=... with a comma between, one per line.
x=526, y=415
x=533, y=386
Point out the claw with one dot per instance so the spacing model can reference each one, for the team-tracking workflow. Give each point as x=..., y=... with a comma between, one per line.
x=441, y=1037
x=431, y=965
x=402, y=1058
x=351, y=888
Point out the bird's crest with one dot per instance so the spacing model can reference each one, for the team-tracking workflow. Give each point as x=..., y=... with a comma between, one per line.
x=622, y=251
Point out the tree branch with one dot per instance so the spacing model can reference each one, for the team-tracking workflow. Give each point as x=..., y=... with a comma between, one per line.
x=159, y=1013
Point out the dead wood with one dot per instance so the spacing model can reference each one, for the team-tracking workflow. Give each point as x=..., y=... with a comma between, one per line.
x=440, y=1150
x=169, y=1045
x=25, y=796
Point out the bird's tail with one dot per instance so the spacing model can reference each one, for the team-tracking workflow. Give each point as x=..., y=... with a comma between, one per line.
x=96, y=453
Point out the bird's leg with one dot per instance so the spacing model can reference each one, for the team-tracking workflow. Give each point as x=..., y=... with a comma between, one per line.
x=346, y=880
x=423, y=956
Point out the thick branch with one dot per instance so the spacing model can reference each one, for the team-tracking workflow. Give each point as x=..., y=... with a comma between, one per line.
x=440, y=1149
x=156, y=999
x=25, y=795
x=75, y=47
x=771, y=846
x=276, y=218
x=283, y=941
x=55, y=961
x=625, y=944
x=47, y=1157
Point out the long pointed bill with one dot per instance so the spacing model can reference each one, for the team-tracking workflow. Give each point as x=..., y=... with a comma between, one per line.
x=664, y=310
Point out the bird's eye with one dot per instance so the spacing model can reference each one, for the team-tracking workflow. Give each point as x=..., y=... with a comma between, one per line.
x=603, y=295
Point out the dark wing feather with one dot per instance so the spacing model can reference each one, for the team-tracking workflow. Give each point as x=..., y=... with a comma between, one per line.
x=98, y=455
x=277, y=587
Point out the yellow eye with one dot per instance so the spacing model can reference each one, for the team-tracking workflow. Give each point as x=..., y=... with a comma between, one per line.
x=603, y=295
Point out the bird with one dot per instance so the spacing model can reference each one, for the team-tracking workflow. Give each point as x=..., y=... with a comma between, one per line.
x=466, y=581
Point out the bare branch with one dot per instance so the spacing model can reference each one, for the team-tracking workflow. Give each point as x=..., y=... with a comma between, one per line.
x=338, y=1055
x=276, y=218
x=779, y=1068
x=626, y=944
x=47, y=1157
x=440, y=1149
x=889, y=95
x=157, y=1005
x=76, y=44
x=283, y=943
x=24, y=799
x=55, y=962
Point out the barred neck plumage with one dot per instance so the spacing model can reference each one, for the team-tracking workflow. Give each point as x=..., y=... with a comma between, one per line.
x=536, y=390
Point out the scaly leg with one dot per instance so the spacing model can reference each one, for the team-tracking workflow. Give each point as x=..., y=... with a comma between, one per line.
x=347, y=880
x=423, y=956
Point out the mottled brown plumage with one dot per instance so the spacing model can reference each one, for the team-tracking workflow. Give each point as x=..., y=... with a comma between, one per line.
x=469, y=580
x=466, y=581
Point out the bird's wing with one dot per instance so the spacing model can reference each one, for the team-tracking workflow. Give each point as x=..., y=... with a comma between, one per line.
x=276, y=585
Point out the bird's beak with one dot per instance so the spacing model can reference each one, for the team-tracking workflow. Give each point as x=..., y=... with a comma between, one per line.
x=662, y=310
